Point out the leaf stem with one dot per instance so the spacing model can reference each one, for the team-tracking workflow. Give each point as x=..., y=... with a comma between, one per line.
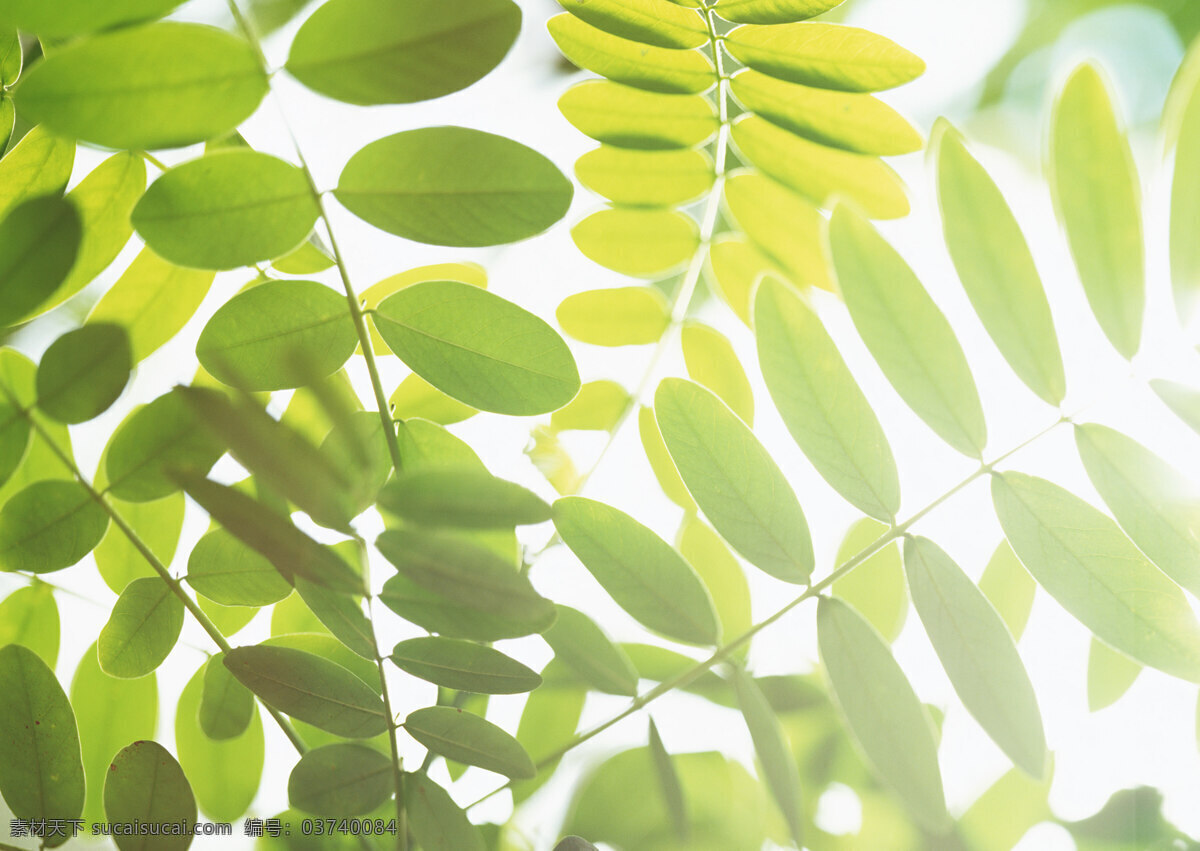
x=397, y=767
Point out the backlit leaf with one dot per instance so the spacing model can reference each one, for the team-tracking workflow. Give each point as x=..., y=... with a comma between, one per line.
x=778, y=766
x=655, y=22
x=416, y=397
x=71, y=17
x=375, y=51
x=146, y=784
x=1185, y=203
x=875, y=588
x=454, y=186
x=340, y=781
x=448, y=616
x=469, y=739
x=158, y=86
x=40, y=164
x=462, y=498
x=1110, y=675
x=735, y=266
x=712, y=362
x=48, y=526
x=227, y=209
x=1009, y=587
x=646, y=178
x=467, y=273
x=311, y=257
x=821, y=403
x=734, y=480
x=463, y=665
x=598, y=407
x=722, y=574
x=38, y=244
x=10, y=55
x=226, y=706
x=29, y=617
x=580, y=643
x=83, y=372
x=772, y=11
x=548, y=722
x=627, y=117
x=639, y=570
x=437, y=823
x=908, y=336
x=660, y=461
x=1006, y=811
x=478, y=348
x=623, y=316
x=142, y=629
x=15, y=433
x=1183, y=401
x=341, y=614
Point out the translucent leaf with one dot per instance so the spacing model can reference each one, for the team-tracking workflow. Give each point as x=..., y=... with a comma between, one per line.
x=437, y=823
x=340, y=781
x=38, y=244
x=996, y=267
x=820, y=173
x=358, y=450
x=1155, y=505
x=225, y=570
x=310, y=688
x=469, y=739
x=1183, y=401
x=227, y=209
x=158, y=437
x=152, y=301
x=624, y=316
x=111, y=713
x=735, y=266
x=977, y=653
x=1082, y=558
x=734, y=480
x=462, y=498
x=416, y=397
x=722, y=574
x=778, y=766
x=129, y=89
x=15, y=433
x=884, y=715
x=598, y=407
x=146, y=784
x=41, y=772
x=341, y=614
x=581, y=644
x=311, y=257
x=40, y=462
x=83, y=372
x=40, y=164
x=1109, y=675
x=626, y=117
x=1185, y=204
x=660, y=461
x=227, y=619
x=1006, y=811
x=29, y=617
x=574, y=843
x=855, y=122
x=467, y=273
x=8, y=120
x=655, y=22
x=1096, y=192
x=656, y=69
x=875, y=588
x=141, y=631
x=548, y=722
x=445, y=615
x=454, y=186
x=712, y=362
x=10, y=55
x=828, y=56
x=270, y=15
x=48, y=526
x=1009, y=587
x=646, y=178
x=463, y=665
x=821, y=403
x=784, y=225
x=71, y=17
x=908, y=336
x=374, y=51
x=772, y=11
x=641, y=572
x=226, y=706
x=478, y=348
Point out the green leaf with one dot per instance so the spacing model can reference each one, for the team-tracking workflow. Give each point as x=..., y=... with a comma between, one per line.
x=854, y=122
x=672, y=792
x=10, y=56
x=451, y=617
x=227, y=619
x=311, y=689
x=29, y=617
x=111, y=713
x=996, y=267
x=1094, y=182
x=778, y=766
x=357, y=449
x=38, y=244
x=437, y=823
x=978, y=654
x=1155, y=505
x=639, y=570
x=467, y=574
x=272, y=535
x=463, y=665
x=15, y=433
x=1185, y=205
x=1082, y=558
x=641, y=243
x=155, y=439
x=722, y=574
x=656, y=69
x=40, y=164
x=819, y=173
x=828, y=56
x=83, y=372
x=8, y=120
x=467, y=273
x=734, y=267
x=478, y=348
x=875, y=588
x=884, y=715
x=469, y=739
x=660, y=461
x=464, y=499
x=226, y=706
x=626, y=117
x=1009, y=587
x=416, y=397
x=341, y=614
x=734, y=480
x=907, y=335
x=41, y=773
x=310, y=258
x=654, y=22
x=548, y=722
x=1109, y=675
x=374, y=51
x=772, y=11
x=141, y=631
x=72, y=17
x=712, y=363
x=48, y=526
x=227, y=209
x=340, y=781
x=1003, y=814
x=821, y=403
x=574, y=843
x=580, y=643
x=454, y=186
x=146, y=784
x=598, y=407
x=129, y=89
x=624, y=316
x=646, y=178
x=1183, y=401
x=152, y=301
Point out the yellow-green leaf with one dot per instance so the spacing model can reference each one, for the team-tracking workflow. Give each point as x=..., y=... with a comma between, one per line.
x=142, y=629
x=722, y=574
x=875, y=588
x=463, y=665
x=40, y=164
x=599, y=406
x=1109, y=675
x=39, y=241
x=1009, y=587
x=467, y=273
x=469, y=739
x=646, y=178
x=625, y=316
x=627, y=117
x=83, y=372
x=642, y=243
x=734, y=267
x=772, y=11
x=656, y=22
x=778, y=765
x=29, y=617
x=712, y=362
x=660, y=461
x=48, y=526
x=72, y=17
x=581, y=644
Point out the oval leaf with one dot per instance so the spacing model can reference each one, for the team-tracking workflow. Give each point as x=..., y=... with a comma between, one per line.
x=39, y=240
x=778, y=764
x=712, y=362
x=466, y=499
x=624, y=316
x=229, y=572
x=48, y=526
x=463, y=665
x=1009, y=587
x=772, y=11
x=646, y=178
x=656, y=22
x=340, y=781
x=144, y=625
x=15, y=433
x=72, y=17
x=83, y=372
x=145, y=784
x=636, y=242
x=626, y=117
x=29, y=617
x=226, y=706
x=875, y=588
x=577, y=641
x=469, y=739
x=1109, y=675
x=437, y=823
